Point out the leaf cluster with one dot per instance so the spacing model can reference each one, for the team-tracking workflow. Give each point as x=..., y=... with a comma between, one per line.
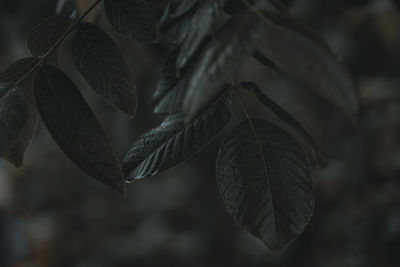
x=264, y=176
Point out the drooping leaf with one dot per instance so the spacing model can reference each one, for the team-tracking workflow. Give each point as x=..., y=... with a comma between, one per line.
x=289, y=119
x=13, y=74
x=300, y=53
x=173, y=142
x=45, y=35
x=132, y=18
x=222, y=59
x=200, y=25
x=265, y=180
x=172, y=85
x=75, y=128
x=101, y=63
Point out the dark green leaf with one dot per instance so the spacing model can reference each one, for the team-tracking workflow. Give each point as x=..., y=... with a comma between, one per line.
x=200, y=25
x=173, y=142
x=222, y=59
x=14, y=73
x=169, y=75
x=13, y=115
x=101, y=63
x=265, y=181
x=43, y=37
x=172, y=85
x=300, y=53
x=287, y=118
x=132, y=18
x=75, y=128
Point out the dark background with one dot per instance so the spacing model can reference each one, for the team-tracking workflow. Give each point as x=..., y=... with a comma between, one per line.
x=51, y=214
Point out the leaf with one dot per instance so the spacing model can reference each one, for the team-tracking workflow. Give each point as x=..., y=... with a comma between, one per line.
x=132, y=18
x=172, y=84
x=13, y=115
x=101, y=63
x=222, y=59
x=169, y=75
x=200, y=25
x=288, y=119
x=75, y=128
x=173, y=142
x=265, y=180
x=299, y=52
x=45, y=35
x=12, y=74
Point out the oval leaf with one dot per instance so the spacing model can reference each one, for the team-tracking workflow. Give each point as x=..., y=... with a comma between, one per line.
x=101, y=63
x=43, y=37
x=75, y=128
x=132, y=18
x=265, y=181
x=173, y=142
x=299, y=52
x=14, y=73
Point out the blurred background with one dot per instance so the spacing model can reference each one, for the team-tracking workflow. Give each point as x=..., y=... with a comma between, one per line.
x=51, y=214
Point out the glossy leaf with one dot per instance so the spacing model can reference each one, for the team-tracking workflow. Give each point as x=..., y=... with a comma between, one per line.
x=12, y=74
x=132, y=18
x=299, y=52
x=173, y=142
x=45, y=35
x=222, y=59
x=101, y=63
x=265, y=180
x=75, y=128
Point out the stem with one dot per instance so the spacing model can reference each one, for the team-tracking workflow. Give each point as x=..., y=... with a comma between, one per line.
x=59, y=41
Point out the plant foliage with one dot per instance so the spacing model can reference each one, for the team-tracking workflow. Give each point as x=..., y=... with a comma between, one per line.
x=263, y=174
